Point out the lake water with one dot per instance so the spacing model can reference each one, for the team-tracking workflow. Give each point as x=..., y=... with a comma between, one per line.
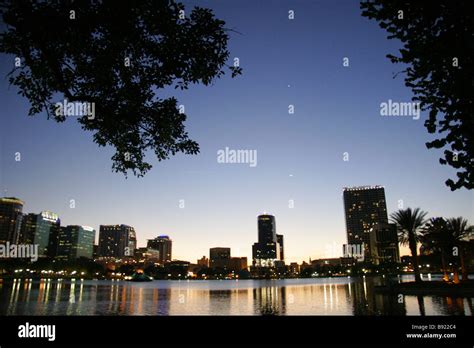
x=317, y=296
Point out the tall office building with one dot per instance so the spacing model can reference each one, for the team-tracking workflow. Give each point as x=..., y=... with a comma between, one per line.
x=384, y=243
x=162, y=245
x=41, y=229
x=364, y=207
x=280, y=243
x=219, y=257
x=117, y=241
x=10, y=219
x=75, y=242
x=267, y=250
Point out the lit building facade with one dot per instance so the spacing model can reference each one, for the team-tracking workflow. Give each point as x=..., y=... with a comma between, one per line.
x=75, y=242
x=384, y=243
x=267, y=250
x=364, y=207
x=10, y=219
x=219, y=258
x=294, y=268
x=117, y=241
x=280, y=243
x=41, y=229
x=163, y=246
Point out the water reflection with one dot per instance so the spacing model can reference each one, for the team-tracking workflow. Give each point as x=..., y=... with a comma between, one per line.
x=270, y=300
x=331, y=296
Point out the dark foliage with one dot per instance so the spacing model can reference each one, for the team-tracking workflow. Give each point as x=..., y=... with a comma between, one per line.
x=117, y=55
x=438, y=47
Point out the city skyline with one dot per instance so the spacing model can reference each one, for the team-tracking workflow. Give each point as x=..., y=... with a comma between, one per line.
x=206, y=164
x=201, y=202
x=332, y=251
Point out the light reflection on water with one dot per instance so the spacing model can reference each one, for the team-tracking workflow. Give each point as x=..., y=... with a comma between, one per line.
x=322, y=296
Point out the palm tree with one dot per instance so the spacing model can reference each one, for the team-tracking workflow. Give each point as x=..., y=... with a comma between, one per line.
x=459, y=230
x=409, y=223
x=448, y=238
x=435, y=238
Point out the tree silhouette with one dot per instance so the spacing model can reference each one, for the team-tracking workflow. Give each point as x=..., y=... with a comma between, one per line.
x=438, y=41
x=409, y=224
x=443, y=235
x=116, y=55
x=435, y=238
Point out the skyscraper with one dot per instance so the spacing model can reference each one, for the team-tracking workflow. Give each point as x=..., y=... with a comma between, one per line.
x=364, y=207
x=41, y=229
x=75, y=242
x=163, y=245
x=384, y=243
x=10, y=219
x=219, y=257
x=117, y=241
x=280, y=243
x=267, y=250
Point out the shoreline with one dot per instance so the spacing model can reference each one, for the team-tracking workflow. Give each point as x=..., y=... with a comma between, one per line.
x=428, y=288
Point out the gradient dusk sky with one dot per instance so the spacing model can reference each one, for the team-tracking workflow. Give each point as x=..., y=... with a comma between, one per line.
x=300, y=155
